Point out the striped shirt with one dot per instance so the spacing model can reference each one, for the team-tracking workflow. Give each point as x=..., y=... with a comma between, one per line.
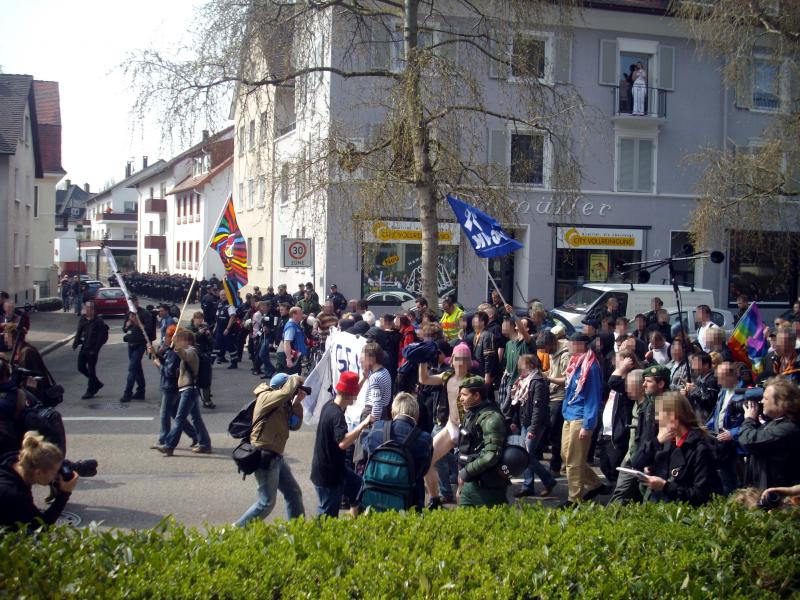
x=379, y=393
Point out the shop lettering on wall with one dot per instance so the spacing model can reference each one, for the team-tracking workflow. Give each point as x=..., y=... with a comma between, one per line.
x=562, y=207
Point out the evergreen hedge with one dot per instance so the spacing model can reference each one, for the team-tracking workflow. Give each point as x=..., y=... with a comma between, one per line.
x=647, y=551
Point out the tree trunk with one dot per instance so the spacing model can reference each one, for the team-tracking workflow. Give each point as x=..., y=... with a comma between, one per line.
x=424, y=184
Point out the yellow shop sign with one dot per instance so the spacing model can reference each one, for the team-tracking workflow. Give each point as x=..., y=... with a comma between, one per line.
x=597, y=238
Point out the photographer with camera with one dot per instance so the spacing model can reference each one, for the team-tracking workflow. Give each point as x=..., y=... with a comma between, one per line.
x=774, y=445
x=38, y=462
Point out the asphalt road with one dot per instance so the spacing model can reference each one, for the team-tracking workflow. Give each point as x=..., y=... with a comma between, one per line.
x=136, y=487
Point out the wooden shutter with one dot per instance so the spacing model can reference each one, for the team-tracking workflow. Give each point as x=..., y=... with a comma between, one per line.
x=381, y=51
x=644, y=167
x=609, y=61
x=666, y=67
x=499, y=47
x=498, y=151
x=625, y=168
x=744, y=86
x=563, y=59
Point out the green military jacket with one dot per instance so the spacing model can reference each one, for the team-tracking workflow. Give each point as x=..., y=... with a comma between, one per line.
x=483, y=438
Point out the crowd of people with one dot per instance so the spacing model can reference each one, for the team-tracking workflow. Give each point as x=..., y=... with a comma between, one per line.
x=451, y=398
x=670, y=408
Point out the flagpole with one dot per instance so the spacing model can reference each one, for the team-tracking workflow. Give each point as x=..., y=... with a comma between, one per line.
x=494, y=283
x=203, y=258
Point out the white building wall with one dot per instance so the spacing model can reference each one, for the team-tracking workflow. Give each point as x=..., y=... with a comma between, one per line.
x=17, y=173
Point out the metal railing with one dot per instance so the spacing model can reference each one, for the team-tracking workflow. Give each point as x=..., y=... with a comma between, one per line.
x=626, y=100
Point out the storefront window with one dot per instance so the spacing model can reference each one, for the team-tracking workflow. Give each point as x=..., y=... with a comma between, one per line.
x=392, y=261
x=589, y=255
x=764, y=268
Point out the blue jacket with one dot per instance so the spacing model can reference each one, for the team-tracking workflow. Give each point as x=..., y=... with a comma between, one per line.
x=170, y=364
x=421, y=450
x=730, y=423
x=584, y=406
x=299, y=342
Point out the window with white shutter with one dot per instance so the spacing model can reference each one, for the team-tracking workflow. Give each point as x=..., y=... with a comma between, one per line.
x=636, y=164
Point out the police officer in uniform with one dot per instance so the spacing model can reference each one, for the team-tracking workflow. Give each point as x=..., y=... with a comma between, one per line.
x=483, y=436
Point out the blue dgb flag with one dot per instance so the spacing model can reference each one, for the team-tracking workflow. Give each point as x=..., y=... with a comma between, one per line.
x=487, y=237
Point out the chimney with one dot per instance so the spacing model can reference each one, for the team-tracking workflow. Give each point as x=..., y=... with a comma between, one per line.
x=86, y=187
x=205, y=134
x=128, y=169
x=144, y=163
x=69, y=183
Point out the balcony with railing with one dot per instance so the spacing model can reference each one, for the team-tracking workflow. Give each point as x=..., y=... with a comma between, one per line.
x=155, y=205
x=633, y=106
x=112, y=217
x=155, y=242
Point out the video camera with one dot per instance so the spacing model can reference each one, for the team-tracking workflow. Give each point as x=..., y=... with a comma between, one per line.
x=745, y=396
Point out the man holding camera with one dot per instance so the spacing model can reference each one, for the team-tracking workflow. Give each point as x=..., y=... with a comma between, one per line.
x=773, y=446
x=278, y=410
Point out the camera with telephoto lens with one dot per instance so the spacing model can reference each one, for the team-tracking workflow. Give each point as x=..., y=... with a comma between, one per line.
x=743, y=397
x=84, y=468
x=770, y=501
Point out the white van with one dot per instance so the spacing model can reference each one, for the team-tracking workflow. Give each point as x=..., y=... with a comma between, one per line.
x=590, y=299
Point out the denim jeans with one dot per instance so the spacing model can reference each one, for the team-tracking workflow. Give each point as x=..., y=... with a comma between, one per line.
x=534, y=466
x=188, y=406
x=445, y=468
x=330, y=498
x=278, y=476
x=169, y=408
x=135, y=372
x=266, y=366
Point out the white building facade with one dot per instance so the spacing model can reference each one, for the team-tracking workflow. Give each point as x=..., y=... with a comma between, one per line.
x=636, y=193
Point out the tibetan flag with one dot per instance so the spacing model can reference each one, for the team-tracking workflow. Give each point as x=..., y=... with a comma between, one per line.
x=748, y=343
x=484, y=233
x=229, y=242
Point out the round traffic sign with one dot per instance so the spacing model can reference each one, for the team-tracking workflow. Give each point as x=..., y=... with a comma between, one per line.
x=298, y=250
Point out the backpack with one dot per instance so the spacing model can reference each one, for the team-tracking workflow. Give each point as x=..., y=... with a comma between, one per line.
x=247, y=457
x=389, y=480
x=174, y=311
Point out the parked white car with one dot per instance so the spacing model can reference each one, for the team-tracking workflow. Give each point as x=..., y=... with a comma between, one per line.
x=720, y=316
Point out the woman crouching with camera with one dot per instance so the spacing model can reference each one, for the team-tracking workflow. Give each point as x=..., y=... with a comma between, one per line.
x=679, y=463
x=38, y=463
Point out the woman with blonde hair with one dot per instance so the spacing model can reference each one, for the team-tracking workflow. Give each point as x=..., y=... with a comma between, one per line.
x=679, y=464
x=38, y=462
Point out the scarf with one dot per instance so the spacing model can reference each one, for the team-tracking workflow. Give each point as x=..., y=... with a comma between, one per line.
x=519, y=390
x=583, y=362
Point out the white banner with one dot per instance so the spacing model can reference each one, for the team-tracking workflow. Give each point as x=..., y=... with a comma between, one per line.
x=342, y=353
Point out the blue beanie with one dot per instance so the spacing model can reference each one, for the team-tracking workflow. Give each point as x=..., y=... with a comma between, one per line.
x=278, y=380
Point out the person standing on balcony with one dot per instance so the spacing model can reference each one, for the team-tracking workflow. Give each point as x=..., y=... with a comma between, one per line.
x=639, y=90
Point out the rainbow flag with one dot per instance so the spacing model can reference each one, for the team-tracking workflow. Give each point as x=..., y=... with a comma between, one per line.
x=229, y=242
x=748, y=343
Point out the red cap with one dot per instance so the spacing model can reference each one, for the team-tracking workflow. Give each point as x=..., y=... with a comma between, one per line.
x=348, y=384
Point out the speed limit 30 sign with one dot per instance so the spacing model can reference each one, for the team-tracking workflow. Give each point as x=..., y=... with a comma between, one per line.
x=297, y=253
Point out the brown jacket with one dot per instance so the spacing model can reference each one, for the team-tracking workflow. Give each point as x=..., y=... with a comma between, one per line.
x=186, y=378
x=271, y=434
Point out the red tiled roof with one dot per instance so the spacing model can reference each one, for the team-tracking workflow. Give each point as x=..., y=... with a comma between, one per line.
x=48, y=117
x=192, y=183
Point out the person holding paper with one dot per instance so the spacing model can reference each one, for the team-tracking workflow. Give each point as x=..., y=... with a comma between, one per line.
x=680, y=462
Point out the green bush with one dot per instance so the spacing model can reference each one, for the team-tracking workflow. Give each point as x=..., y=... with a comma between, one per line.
x=48, y=304
x=589, y=552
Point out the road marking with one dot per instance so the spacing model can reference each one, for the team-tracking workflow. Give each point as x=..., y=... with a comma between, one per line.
x=107, y=418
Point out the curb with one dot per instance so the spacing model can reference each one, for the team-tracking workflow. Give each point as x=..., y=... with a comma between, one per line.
x=55, y=345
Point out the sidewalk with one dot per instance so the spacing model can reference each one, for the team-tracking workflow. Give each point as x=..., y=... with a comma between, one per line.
x=51, y=330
